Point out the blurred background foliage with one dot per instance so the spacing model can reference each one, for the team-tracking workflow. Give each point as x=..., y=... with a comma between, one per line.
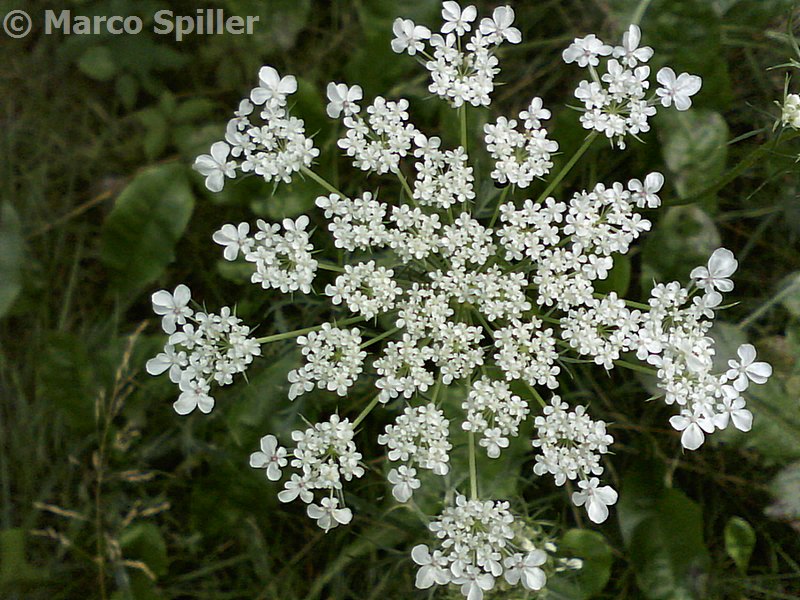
x=106, y=493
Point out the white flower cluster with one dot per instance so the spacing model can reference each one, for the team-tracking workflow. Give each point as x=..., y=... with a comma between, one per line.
x=521, y=157
x=475, y=549
x=790, y=113
x=324, y=455
x=419, y=436
x=206, y=349
x=283, y=261
x=571, y=444
x=458, y=298
x=616, y=102
x=673, y=338
x=333, y=358
x=461, y=76
x=275, y=149
x=495, y=413
x=365, y=289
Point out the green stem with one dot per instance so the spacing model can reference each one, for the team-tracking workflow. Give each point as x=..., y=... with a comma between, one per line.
x=462, y=116
x=640, y=10
x=536, y=394
x=635, y=367
x=367, y=409
x=320, y=180
x=380, y=337
x=567, y=167
x=406, y=187
x=500, y=201
x=473, y=468
x=297, y=332
x=330, y=267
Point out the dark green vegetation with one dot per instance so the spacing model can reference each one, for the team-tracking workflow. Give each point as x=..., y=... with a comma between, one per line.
x=99, y=209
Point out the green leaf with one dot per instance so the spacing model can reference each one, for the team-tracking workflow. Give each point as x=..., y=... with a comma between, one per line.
x=694, y=148
x=140, y=233
x=592, y=577
x=667, y=549
x=98, y=63
x=127, y=89
x=66, y=380
x=683, y=238
x=740, y=539
x=12, y=247
x=156, y=136
x=143, y=541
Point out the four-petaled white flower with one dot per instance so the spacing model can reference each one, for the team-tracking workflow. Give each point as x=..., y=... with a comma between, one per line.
x=169, y=359
x=457, y=19
x=525, y=568
x=173, y=308
x=744, y=370
x=404, y=479
x=408, y=36
x=630, y=53
x=716, y=273
x=194, y=394
x=694, y=426
x=215, y=167
x=597, y=499
x=733, y=409
x=499, y=26
x=343, y=99
x=329, y=515
x=678, y=89
x=586, y=51
x=272, y=87
x=233, y=238
x=646, y=194
x=272, y=457
x=433, y=567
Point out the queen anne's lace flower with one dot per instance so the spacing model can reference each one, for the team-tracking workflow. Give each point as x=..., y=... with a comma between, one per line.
x=495, y=290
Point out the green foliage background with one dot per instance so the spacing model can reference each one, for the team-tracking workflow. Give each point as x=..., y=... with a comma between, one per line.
x=106, y=493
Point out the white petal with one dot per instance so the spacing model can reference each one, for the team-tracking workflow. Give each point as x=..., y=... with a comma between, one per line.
x=258, y=460
x=692, y=437
x=742, y=419
x=722, y=263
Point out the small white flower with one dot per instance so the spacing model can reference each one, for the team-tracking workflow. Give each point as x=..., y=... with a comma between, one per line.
x=525, y=568
x=296, y=486
x=694, y=425
x=233, y=238
x=343, y=99
x=678, y=89
x=597, y=499
x=629, y=52
x=272, y=87
x=744, y=370
x=646, y=194
x=409, y=36
x=499, y=26
x=329, y=515
x=733, y=409
x=404, y=481
x=790, y=113
x=169, y=359
x=457, y=19
x=433, y=567
x=586, y=51
x=194, y=394
x=716, y=274
x=173, y=308
x=215, y=167
x=272, y=457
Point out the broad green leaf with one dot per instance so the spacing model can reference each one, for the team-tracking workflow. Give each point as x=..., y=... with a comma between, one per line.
x=98, y=63
x=11, y=257
x=694, y=148
x=740, y=539
x=682, y=239
x=667, y=550
x=140, y=233
x=143, y=541
x=592, y=577
x=66, y=380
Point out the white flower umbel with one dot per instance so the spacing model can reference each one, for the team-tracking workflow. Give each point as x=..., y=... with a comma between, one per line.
x=275, y=149
x=494, y=413
x=333, y=361
x=206, y=349
x=616, y=102
x=365, y=289
x=527, y=351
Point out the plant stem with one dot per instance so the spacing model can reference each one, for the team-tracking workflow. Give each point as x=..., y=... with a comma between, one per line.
x=473, y=468
x=330, y=267
x=297, y=332
x=639, y=12
x=462, y=116
x=500, y=201
x=635, y=367
x=367, y=409
x=567, y=167
x=320, y=180
x=380, y=337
